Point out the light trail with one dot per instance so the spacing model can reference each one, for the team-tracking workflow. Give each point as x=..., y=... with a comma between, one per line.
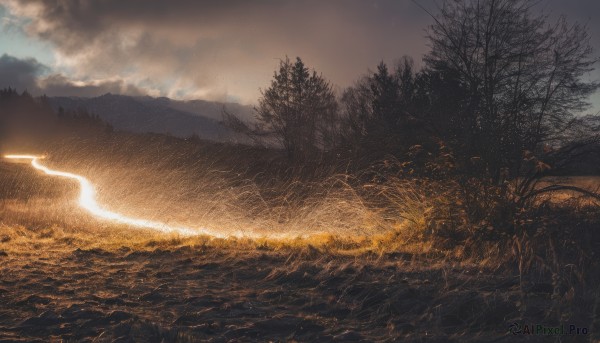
x=87, y=200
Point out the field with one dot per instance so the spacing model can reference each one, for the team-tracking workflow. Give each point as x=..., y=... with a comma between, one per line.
x=65, y=275
x=193, y=291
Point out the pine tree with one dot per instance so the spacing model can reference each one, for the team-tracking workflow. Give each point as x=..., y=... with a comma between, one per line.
x=299, y=109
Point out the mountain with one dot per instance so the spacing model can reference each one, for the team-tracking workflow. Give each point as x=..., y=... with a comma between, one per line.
x=159, y=115
x=209, y=109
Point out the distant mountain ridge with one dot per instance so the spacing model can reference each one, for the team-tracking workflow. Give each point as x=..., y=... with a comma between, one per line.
x=159, y=115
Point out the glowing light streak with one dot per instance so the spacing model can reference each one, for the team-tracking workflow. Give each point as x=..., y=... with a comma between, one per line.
x=87, y=200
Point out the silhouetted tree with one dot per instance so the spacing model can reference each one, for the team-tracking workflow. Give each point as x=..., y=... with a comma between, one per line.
x=380, y=110
x=385, y=91
x=24, y=118
x=509, y=81
x=299, y=110
x=28, y=121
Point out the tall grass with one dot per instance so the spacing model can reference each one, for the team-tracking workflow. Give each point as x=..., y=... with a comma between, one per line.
x=421, y=205
x=421, y=198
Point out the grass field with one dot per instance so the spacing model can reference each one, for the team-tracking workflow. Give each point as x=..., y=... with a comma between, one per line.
x=591, y=183
x=67, y=276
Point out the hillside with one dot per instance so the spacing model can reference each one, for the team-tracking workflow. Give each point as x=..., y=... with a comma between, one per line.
x=158, y=115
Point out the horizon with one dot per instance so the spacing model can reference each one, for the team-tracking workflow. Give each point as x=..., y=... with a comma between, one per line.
x=183, y=53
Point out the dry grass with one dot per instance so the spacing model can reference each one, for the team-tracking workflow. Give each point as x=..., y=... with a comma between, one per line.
x=372, y=258
x=589, y=183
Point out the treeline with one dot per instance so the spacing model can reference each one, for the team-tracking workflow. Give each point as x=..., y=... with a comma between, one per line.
x=501, y=89
x=27, y=121
x=497, y=97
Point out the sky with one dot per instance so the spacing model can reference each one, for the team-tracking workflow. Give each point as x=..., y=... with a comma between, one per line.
x=214, y=50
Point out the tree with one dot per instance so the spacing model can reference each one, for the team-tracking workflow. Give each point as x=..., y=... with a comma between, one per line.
x=379, y=110
x=385, y=103
x=520, y=80
x=299, y=109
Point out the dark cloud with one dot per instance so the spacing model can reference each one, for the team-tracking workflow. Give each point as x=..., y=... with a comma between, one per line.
x=29, y=74
x=218, y=49
x=21, y=74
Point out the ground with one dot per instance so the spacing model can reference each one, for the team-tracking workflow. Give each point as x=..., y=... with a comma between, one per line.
x=65, y=276
x=203, y=292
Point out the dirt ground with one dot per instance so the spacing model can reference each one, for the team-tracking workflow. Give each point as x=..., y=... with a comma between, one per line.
x=213, y=294
x=58, y=285
x=63, y=278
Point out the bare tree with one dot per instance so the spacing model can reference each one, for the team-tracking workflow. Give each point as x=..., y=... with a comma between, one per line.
x=521, y=79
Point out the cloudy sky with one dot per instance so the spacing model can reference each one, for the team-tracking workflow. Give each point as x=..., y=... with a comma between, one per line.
x=222, y=50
